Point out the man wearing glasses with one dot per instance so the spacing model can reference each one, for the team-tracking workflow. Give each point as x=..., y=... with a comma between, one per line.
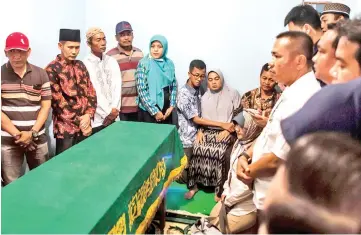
x=189, y=111
x=128, y=57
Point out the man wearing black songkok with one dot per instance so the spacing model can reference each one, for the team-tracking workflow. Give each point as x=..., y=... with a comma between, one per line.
x=74, y=98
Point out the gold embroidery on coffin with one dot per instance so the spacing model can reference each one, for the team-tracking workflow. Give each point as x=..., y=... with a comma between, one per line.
x=138, y=201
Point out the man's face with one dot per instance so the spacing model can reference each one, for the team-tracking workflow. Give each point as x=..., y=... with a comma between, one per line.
x=125, y=38
x=326, y=19
x=214, y=81
x=267, y=81
x=325, y=58
x=283, y=64
x=196, y=76
x=98, y=43
x=346, y=67
x=69, y=50
x=18, y=58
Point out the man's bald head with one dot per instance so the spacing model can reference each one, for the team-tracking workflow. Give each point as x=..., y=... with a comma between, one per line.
x=300, y=44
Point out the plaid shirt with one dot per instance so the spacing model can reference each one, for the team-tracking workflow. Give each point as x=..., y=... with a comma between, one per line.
x=144, y=101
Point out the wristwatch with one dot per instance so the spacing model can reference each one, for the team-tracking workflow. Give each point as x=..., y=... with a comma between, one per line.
x=246, y=155
x=35, y=134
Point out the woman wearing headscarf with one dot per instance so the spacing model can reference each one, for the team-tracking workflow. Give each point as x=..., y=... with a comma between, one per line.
x=156, y=83
x=236, y=213
x=210, y=161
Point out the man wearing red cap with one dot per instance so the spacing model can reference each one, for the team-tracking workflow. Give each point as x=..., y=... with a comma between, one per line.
x=26, y=102
x=74, y=98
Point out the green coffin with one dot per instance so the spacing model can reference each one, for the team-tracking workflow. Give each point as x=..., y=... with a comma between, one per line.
x=113, y=182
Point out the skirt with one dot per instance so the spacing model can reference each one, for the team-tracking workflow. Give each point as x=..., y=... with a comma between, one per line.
x=210, y=162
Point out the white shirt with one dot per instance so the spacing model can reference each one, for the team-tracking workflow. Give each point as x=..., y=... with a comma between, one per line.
x=107, y=82
x=271, y=139
x=237, y=193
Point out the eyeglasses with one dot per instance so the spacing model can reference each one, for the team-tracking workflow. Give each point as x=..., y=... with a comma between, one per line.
x=199, y=76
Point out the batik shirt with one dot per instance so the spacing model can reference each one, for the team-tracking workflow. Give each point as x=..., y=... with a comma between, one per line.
x=253, y=100
x=73, y=96
x=188, y=107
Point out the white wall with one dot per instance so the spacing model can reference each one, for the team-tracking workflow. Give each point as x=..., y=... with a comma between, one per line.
x=234, y=35
x=40, y=20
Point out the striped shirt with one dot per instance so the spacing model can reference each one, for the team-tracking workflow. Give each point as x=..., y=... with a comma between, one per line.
x=128, y=65
x=21, y=99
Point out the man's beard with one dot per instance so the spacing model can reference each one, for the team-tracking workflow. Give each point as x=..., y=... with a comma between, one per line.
x=126, y=48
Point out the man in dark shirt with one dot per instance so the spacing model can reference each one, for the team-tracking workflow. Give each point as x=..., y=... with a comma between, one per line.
x=74, y=99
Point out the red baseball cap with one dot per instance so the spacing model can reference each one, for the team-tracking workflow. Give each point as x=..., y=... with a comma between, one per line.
x=17, y=41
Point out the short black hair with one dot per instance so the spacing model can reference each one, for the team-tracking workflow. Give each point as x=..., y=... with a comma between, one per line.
x=199, y=64
x=351, y=29
x=335, y=27
x=265, y=67
x=304, y=14
x=303, y=43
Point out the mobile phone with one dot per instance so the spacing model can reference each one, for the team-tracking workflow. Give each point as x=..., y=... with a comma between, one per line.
x=252, y=111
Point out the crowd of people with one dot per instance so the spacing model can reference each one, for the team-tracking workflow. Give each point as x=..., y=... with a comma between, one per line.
x=278, y=152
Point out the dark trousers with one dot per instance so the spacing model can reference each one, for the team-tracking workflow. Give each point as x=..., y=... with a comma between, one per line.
x=97, y=129
x=64, y=144
x=132, y=117
x=144, y=116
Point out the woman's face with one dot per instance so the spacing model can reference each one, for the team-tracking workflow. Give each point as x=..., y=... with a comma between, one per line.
x=239, y=132
x=156, y=50
x=214, y=81
x=267, y=81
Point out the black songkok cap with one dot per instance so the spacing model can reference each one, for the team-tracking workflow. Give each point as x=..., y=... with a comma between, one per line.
x=72, y=35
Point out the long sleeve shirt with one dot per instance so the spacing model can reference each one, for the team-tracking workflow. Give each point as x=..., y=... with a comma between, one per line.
x=73, y=96
x=238, y=195
x=144, y=100
x=107, y=81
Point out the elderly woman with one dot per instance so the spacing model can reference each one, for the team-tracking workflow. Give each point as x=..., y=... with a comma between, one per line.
x=209, y=164
x=156, y=83
x=236, y=209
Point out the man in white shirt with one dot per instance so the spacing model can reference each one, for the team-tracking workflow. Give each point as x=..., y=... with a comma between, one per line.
x=106, y=78
x=292, y=65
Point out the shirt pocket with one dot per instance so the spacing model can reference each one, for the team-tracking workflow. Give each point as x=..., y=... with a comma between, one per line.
x=33, y=92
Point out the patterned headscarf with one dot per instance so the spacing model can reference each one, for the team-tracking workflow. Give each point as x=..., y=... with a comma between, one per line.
x=93, y=31
x=250, y=130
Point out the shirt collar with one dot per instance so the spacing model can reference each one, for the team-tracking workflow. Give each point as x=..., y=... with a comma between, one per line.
x=258, y=94
x=301, y=83
x=192, y=90
x=94, y=58
x=10, y=68
x=62, y=61
x=122, y=51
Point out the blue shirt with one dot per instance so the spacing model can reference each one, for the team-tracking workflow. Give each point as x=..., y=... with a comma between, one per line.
x=188, y=107
x=334, y=108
